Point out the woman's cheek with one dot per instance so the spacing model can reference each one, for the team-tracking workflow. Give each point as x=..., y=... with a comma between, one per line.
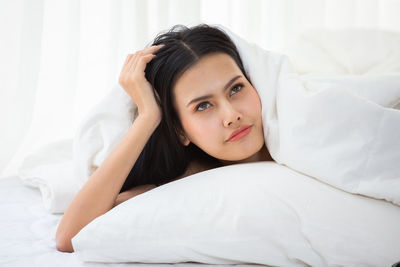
x=253, y=103
x=244, y=104
x=193, y=127
x=205, y=127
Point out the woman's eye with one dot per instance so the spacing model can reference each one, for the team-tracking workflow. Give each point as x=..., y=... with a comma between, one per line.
x=203, y=106
x=235, y=89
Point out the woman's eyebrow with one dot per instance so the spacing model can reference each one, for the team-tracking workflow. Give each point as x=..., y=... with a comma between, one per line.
x=204, y=97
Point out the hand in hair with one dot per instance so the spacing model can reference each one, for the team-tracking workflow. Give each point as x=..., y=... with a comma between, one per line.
x=133, y=81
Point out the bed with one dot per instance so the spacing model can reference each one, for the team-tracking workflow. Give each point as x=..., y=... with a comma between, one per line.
x=28, y=232
x=219, y=217
x=28, y=236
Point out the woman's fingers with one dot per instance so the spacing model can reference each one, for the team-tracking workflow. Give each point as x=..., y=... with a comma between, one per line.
x=132, y=59
x=152, y=49
x=146, y=54
x=143, y=53
x=135, y=58
x=125, y=66
x=141, y=64
x=133, y=80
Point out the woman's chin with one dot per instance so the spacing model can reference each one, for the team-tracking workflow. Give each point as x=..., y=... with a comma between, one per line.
x=244, y=158
x=253, y=154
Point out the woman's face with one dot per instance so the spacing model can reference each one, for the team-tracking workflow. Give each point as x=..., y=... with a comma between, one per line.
x=215, y=101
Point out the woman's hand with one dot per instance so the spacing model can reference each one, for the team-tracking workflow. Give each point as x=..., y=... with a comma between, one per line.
x=133, y=80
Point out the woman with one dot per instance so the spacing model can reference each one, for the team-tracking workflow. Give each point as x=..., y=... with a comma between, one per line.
x=202, y=113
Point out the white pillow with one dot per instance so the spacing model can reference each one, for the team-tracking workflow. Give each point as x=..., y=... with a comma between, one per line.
x=260, y=213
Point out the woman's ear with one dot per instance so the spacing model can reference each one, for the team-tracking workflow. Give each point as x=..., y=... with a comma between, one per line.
x=183, y=138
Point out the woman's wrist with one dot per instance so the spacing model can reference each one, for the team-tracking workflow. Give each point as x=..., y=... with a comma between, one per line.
x=153, y=118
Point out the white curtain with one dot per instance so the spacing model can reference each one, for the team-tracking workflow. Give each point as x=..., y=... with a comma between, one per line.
x=60, y=57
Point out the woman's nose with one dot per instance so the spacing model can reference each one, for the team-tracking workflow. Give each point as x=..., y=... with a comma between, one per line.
x=232, y=122
x=231, y=116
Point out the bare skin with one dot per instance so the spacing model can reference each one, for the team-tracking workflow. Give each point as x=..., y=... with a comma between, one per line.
x=194, y=167
x=207, y=77
x=227, y=111
x=214, y=99
x=101, y=191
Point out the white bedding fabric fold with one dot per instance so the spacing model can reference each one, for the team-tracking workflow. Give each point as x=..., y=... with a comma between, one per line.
x=51, y=170
x=340, y=129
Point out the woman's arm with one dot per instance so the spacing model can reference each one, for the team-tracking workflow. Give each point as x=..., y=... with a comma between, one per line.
x=100, y=192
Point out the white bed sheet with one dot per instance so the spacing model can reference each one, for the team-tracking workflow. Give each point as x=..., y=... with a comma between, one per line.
x=27, y=236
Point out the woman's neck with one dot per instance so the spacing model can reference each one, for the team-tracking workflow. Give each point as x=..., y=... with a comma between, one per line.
x=262, y=155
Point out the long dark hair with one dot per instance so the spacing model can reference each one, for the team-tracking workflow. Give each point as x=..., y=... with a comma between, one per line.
x=164, y=157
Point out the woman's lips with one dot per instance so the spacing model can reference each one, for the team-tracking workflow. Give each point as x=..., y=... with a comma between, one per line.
x=240, y=133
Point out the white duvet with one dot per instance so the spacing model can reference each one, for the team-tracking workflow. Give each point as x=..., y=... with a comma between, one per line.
x=341, y=130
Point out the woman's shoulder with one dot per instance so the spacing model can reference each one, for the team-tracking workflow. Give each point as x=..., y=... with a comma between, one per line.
x=196, y=166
